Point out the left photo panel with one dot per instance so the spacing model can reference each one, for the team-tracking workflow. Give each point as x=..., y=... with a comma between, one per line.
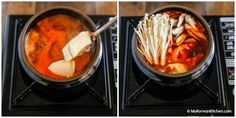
x=59, y=58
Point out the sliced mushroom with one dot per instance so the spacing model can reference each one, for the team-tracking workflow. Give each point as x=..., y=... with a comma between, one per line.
x=173, y=22
x=187, y=26
x=177, y=31
x=190, y=21
x=181, y=19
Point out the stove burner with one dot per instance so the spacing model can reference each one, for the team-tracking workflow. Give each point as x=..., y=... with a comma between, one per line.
x=58, y=95
x=168, y=92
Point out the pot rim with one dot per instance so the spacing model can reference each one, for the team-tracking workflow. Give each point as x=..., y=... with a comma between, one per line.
x=42, y=79
x=193, y=72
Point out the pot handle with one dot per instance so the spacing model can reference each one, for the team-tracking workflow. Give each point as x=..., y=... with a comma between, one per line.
x=104, y=27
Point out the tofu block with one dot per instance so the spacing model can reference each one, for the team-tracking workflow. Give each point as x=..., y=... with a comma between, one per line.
x=177, y=68
x=66, y=53
x=77, y=46
x=63, y=68
x=80, y=44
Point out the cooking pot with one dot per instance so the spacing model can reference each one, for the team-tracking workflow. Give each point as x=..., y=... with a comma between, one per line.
x=67, y=82
x=176, y=79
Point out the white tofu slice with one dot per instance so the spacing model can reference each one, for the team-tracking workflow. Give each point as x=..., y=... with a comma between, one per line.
x=80, y=44
x=77, y=46
x=66, y=53
x=63, y=68
x=177, y=68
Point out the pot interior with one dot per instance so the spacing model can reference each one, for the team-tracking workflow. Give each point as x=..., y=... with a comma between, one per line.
x=83, y=18
x=201, y=66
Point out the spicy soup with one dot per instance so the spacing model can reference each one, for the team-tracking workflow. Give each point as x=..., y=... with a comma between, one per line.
x=46, y=40
x=172, y=42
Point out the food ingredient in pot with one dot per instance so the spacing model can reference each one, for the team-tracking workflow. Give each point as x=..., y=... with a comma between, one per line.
x=77, y=46
x=172, y=42
x=45, y=42
x=63, y=68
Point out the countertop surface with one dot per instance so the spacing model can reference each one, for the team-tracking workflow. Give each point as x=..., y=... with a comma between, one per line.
x=30, y=8
x=204, y=8
x=110, y=8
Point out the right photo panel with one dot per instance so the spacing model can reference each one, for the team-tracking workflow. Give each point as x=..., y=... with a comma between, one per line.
x=176, y=58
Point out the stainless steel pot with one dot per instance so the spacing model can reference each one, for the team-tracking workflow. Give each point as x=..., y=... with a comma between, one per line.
x=176, y=79
x=59, y=83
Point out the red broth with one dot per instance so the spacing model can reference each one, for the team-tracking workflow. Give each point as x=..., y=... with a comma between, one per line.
x=46, y=40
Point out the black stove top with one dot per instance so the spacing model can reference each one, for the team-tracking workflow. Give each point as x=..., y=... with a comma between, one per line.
x=22, y=96
x=140, y=95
